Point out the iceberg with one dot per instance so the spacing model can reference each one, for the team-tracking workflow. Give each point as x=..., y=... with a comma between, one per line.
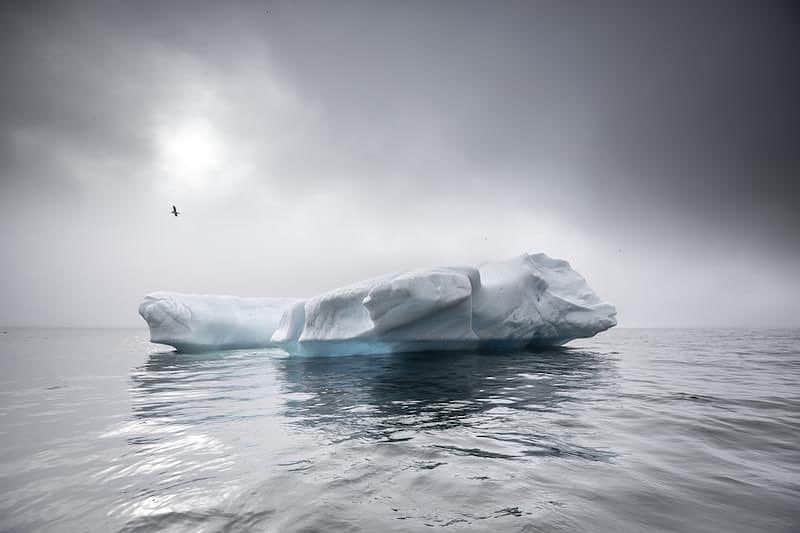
x=200, y=322
x=412, y=311
x=527, y=301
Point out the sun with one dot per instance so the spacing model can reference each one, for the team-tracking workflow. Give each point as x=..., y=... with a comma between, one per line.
x=190, y=151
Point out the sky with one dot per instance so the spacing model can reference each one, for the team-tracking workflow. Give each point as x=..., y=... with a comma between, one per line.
x=654, y=145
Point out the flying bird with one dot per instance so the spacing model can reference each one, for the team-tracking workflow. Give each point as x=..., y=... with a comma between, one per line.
x=175, y=211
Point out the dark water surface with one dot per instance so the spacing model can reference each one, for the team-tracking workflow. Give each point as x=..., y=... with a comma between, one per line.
x=635, y=430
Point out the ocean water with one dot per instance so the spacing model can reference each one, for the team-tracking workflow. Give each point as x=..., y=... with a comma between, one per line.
x=634, y=430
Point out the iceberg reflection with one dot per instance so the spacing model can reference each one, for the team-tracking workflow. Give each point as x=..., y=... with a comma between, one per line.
x=526, y=404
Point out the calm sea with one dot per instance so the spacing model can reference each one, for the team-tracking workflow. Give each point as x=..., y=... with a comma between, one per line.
x=635, y=430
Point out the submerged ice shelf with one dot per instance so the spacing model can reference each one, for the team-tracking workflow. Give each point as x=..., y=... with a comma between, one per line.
x=529, y=300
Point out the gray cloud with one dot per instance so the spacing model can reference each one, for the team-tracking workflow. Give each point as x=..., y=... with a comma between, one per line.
x=653, y=146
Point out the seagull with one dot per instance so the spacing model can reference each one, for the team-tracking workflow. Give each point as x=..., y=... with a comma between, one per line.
x=175, y=211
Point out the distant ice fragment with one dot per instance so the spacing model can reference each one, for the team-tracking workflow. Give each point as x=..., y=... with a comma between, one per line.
x=529, y=300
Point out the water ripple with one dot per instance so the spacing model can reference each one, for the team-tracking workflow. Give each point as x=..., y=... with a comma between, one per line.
x=665, y=430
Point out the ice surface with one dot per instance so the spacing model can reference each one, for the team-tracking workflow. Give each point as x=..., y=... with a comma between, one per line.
x=536, y=300
x=416, y=310
x=195, y=322
x=529, y=300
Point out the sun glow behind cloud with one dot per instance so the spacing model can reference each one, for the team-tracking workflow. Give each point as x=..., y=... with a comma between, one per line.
x=191, y=152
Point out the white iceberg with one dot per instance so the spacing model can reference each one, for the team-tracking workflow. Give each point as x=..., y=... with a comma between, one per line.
x=418, y=310
x=530, y=300
x=200, y=322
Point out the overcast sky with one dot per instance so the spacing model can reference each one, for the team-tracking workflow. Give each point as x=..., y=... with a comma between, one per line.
x=311, y=144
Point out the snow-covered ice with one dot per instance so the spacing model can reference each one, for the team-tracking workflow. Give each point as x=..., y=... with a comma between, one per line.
x=529, y=300
x=417, y=310
x=198, y=322
x=535, y=299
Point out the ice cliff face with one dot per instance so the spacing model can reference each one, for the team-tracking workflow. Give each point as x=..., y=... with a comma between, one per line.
x=530, y=300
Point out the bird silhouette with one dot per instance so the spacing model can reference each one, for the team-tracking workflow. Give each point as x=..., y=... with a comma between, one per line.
x=175, y=211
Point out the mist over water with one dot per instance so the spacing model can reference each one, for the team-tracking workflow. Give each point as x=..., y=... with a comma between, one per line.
x=658, y=430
